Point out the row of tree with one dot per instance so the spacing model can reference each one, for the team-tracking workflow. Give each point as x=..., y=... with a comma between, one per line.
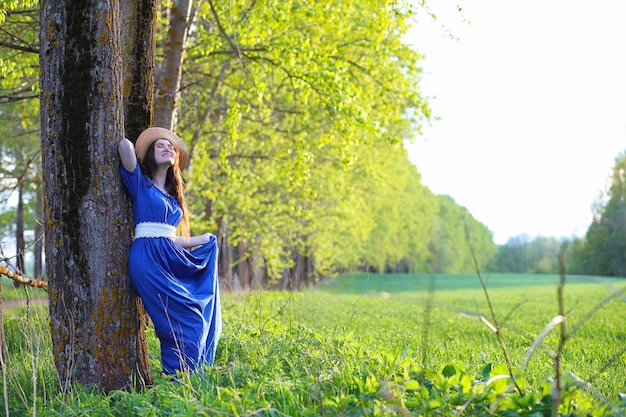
x=296, y=118
x=527, y=255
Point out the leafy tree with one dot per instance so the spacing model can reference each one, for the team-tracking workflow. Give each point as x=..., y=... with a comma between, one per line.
x=523, y=254
x=296, y=100
x=401, y=214
x=578, y=259
x=455, y=229
x=603, y=251
x=19, y=70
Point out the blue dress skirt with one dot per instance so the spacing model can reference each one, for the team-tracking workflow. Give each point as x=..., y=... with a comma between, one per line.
x=179, y=288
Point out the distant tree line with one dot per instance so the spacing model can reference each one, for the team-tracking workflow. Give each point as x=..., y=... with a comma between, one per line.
x=601, y=252
x=525, y=255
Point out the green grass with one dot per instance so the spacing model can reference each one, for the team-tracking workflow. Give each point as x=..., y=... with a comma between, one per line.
x=365, y=345
x=21, y=292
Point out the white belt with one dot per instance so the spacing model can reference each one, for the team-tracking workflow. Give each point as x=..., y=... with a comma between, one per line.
x=150, y=229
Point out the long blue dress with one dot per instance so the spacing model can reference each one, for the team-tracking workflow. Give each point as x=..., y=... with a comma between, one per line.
x=179, y=288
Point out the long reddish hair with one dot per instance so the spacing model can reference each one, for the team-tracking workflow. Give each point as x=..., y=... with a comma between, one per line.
x=174, y=182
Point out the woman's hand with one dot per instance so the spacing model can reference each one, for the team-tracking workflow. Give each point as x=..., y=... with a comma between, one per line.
x=204, y=239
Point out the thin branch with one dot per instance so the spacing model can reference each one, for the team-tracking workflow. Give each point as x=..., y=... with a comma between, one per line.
x=4, y=98
x=558, y=385
x=494, y=327
x=39, y=283
x=17, y=47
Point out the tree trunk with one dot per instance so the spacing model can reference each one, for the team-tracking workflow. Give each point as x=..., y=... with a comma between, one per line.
x=3, y=344
x=20, y=244
x=294, y=272
x=224, y=268
x=243, y=265
x=138, y=32
x=96, y=334
x=300, y=271
x=39, y=233
x=168, y=78
x=310, y=276
x=265, y=276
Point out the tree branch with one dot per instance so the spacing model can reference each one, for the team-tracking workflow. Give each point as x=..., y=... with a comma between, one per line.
x=23, y=279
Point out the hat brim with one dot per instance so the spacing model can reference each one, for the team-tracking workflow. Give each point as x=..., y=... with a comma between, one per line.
x=150, y=135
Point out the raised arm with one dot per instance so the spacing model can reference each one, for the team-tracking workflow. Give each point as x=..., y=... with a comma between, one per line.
x=128, y=157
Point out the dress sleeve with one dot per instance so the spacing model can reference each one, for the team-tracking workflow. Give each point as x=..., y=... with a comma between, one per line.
x=132, y=180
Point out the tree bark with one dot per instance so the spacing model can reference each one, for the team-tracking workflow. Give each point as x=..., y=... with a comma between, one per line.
x=20, y=243
x=138, y=33
x=224, y=268
x=96, y=334
x=39, y=233
x=3, y=344
x=169, y=76
x=300, y=271
x=243, y=265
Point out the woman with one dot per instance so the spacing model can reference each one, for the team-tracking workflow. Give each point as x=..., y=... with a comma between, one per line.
x=177, y=284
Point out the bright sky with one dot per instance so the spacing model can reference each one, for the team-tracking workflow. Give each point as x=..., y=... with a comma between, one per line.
x=532, y=105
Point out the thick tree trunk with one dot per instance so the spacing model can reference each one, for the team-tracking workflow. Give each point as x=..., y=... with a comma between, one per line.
x=138, y=31
x=96, y=334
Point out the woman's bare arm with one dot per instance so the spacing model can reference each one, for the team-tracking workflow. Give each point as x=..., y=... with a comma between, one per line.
x=189, y=242
x=128, y=157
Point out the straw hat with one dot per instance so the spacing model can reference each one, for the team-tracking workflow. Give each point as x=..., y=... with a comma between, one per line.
x=148, y=136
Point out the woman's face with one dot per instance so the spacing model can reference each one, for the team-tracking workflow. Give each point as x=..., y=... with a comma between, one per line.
x=164, y=152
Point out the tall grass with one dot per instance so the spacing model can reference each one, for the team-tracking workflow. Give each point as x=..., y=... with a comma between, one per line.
x=357, y=346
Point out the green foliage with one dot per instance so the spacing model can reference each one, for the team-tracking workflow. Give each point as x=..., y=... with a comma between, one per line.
x=351, y=348
x=450, y=245
x=19, y=55
x=300, y=142
x=523, y=255
x=603, y=250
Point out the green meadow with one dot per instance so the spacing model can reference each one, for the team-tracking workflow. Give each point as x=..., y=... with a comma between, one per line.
x=369, y=345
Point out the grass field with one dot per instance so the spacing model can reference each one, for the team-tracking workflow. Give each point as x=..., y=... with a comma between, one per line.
x=369, y=345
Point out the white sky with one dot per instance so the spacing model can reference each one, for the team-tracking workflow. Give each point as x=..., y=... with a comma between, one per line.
x=532, y=105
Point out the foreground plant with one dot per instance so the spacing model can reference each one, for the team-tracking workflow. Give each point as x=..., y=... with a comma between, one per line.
x=566, y=394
